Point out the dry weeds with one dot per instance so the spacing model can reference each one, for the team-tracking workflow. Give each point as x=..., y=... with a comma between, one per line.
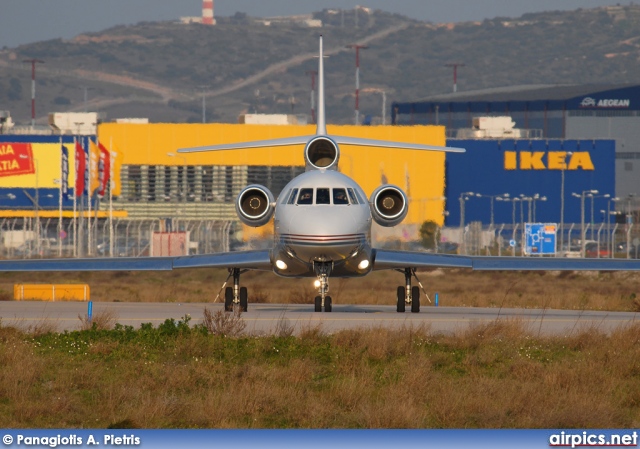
x=103, y=320
x=226, y=324
x=489, y=376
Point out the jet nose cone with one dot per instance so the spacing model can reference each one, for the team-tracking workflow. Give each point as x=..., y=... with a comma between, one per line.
x=323, y=221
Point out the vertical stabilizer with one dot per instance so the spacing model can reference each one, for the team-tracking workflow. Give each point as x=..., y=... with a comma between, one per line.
x=322, y=124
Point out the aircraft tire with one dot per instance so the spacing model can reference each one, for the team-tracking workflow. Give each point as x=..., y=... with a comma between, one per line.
x=318, y=304
x=228, y=299
x=244, y=299
x=327, y=304
x=401, y=304
x=415, y=300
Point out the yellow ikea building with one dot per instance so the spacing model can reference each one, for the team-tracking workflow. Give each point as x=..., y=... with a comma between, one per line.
x=156, y=181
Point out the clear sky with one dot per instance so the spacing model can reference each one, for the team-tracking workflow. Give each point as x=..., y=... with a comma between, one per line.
x=26, y=21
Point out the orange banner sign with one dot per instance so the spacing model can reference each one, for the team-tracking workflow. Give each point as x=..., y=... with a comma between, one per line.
x=16, y=159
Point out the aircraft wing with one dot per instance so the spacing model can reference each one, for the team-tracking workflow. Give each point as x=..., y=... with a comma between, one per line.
x=341, y=140
x=387, y=260
x=95, y=264
x=254, y=260
x=286, y=141
x=487, y=263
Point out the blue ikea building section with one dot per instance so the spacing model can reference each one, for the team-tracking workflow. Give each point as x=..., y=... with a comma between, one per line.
x=48, y=198
x=482, y=170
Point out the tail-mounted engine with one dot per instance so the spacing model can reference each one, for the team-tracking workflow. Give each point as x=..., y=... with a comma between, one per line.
x=389, y=205
x=255, y=205
x=322, y=153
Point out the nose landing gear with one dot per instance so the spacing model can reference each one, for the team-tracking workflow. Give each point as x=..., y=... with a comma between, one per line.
x=323, y=270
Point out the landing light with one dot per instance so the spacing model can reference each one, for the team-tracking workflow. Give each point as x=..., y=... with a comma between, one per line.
x=316, y=283
x=281, y=265
x=364, y=264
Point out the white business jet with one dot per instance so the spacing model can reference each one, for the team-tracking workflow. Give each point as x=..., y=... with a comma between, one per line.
x=322, y=224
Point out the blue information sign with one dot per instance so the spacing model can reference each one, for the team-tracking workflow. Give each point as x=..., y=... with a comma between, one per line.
x=540, y=238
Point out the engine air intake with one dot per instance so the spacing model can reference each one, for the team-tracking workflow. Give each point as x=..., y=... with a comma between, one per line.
x=388, y=205
x=254, y=205
x=322, y=153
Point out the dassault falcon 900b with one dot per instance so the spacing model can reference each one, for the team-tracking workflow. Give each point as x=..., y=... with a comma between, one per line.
x=322, y=228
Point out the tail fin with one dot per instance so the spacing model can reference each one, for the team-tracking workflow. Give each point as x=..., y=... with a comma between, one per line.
x=321, y=121
x=321, y=130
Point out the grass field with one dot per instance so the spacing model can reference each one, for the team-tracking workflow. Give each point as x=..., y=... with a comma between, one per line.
x=186, y=375
x=182, y=376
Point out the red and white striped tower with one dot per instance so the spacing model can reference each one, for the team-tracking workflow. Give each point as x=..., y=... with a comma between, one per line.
x=207, y=12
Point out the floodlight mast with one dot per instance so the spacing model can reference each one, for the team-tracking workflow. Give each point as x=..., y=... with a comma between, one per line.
x=455, y=66
x=33, y=63
x=357, y=47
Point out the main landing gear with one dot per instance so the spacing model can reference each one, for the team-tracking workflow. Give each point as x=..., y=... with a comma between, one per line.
x=408, y=294
x=323, y=270
x=236, y=295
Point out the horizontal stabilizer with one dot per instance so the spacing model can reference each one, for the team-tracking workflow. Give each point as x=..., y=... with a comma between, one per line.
x=286, y=141
x=341, y=140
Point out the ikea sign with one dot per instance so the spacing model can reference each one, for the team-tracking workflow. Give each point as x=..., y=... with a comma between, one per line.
x=548, y=160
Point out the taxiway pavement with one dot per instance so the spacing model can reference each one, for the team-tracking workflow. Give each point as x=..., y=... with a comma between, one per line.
x=267, y=318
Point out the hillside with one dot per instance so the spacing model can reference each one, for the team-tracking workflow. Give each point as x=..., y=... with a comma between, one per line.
x=159, y=70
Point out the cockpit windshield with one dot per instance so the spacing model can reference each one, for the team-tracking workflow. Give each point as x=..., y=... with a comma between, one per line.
x=306, y=196
x=340, y=196
x=324, y=195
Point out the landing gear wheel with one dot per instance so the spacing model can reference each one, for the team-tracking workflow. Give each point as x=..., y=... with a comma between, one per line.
x=318, y=304
x=228, y=299
x=327, y=303
x=401, y=304
x=415, y=300
x=244, y=299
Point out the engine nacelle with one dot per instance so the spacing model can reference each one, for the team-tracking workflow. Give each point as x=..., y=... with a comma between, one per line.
x=389, y=205
x=255, y=205
x=322, y=153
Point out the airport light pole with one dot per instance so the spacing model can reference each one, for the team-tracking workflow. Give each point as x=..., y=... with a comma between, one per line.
x=491, y=198
x=313, y=74
x=33, y=63
x=384, y=101
x=537, y=197
x=463, y=198
x=35, y=201
x=609, y=239
x=564, y=168
x=357, y=48
x=203, y=91
x=582, y=230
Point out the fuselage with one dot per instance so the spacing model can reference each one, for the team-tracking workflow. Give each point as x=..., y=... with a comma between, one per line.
x=322, y=216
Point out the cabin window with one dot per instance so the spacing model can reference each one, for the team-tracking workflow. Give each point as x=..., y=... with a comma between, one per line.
x=306, y=196
x=322, y=196
x=340, y=196
x=352, y=195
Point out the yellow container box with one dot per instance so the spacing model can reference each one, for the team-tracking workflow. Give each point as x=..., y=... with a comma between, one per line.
x=51, y=292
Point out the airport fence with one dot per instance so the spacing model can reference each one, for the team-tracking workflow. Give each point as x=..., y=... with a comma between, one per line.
x=45, y=238
x=33, y=238
x=601, y=240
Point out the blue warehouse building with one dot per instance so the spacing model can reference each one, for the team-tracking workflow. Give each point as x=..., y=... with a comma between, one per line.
x=547, y=114
x=530, y=170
